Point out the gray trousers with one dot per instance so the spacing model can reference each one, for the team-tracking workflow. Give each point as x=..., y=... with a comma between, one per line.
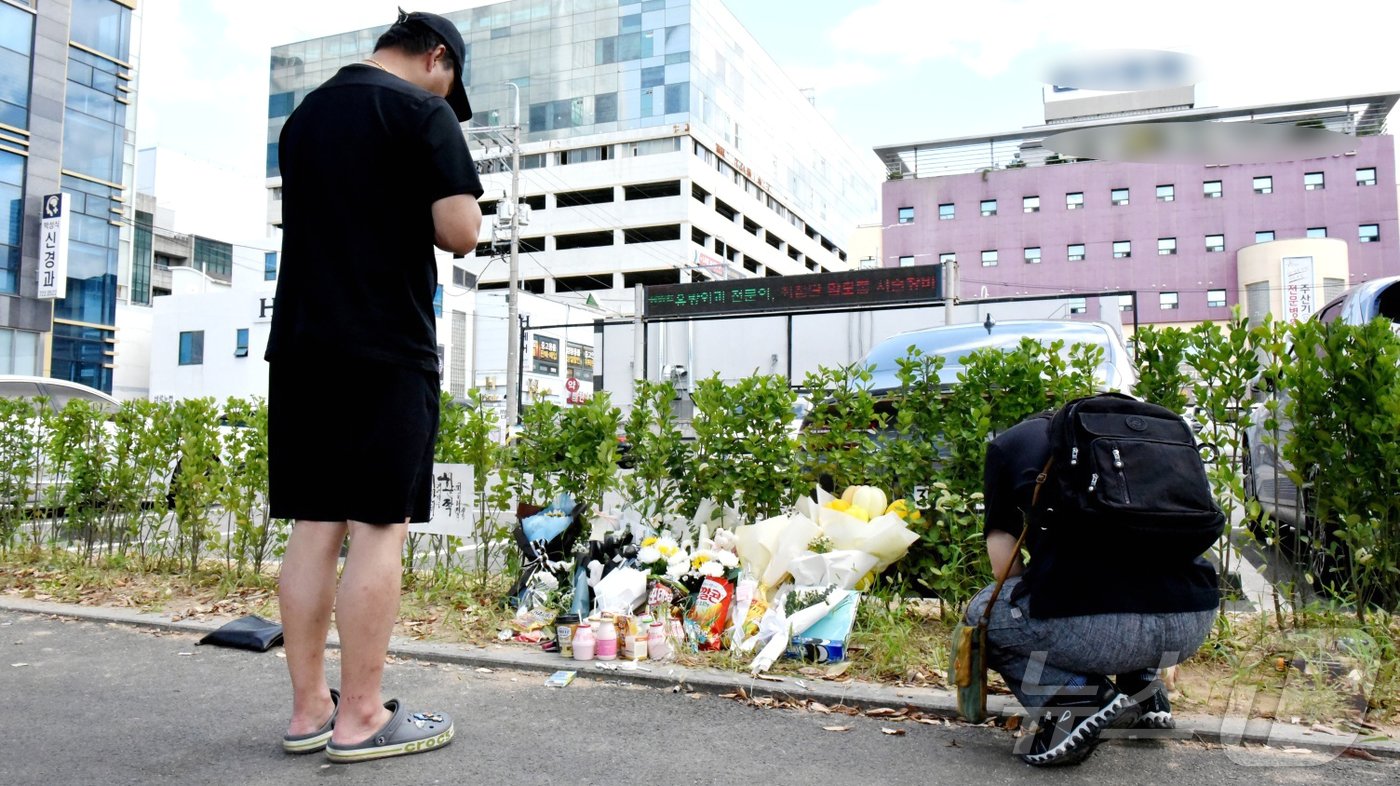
x=1039, y=657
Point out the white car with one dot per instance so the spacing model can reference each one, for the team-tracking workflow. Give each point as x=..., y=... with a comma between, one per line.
x=58, y=393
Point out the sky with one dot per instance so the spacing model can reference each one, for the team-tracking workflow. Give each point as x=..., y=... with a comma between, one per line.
x=884, y=71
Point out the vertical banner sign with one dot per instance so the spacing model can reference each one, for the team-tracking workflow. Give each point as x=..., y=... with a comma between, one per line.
x=53, y=248
x=1298, y=300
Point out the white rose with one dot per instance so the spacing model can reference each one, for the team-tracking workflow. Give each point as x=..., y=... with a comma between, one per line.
x=648, y=555
x=728, y=559
x=675, y=570
x=712, y=569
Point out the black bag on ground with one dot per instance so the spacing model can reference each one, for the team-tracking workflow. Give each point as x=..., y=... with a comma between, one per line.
x=247, y=633
x=1128, y=474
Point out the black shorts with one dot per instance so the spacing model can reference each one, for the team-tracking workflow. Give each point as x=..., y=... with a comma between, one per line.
x=350, y=440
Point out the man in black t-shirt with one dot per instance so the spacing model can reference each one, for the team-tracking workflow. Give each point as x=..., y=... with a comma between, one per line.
x=1071, y=617
x=375, y=173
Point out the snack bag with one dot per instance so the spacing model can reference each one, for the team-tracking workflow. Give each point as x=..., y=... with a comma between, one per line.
x=710, y=613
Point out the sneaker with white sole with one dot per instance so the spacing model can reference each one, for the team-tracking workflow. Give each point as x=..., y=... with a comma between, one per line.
x=1154, y=708
x=1070, y=726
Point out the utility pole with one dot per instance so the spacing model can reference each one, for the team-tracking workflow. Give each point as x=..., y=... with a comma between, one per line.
x=513, y=297
x=950, y=289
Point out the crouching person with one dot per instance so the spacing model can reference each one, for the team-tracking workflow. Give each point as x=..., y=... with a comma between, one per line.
x=1115, y=583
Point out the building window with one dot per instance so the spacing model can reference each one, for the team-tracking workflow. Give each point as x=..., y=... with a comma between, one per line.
x=240, y=347
x=213, y=257
x=1215, y=243
x=1313, y=181
x=1317, y=231
x=1212, y=189
x=1122, y=249
x=906, y=261
x=1369, y=233
x=947, y=257
x=1032, y=255
x=1078, y=306
x=1166, y=193
x=1030, y=204
x=989, y=207
x=1167, y=300
x=192, y=347
x=1263, y=236
x=989, y=259
x=270, y=266
x=906, y=215
x=1074, y=200
x=1119, y=196
x=1215, y=298
x=1075, y=252
x=437, y=302
x=1264, y=185
x=1366, y=176
x=1125, y=302
x=1166, y=246
x=945, y=211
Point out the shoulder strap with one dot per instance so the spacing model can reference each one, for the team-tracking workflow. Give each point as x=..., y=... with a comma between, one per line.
x=1016, y=552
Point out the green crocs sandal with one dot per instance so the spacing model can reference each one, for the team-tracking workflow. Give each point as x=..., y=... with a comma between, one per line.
x=405, y=733
x=316, y=740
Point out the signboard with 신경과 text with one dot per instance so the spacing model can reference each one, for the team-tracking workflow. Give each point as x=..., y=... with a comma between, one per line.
x=53, y=247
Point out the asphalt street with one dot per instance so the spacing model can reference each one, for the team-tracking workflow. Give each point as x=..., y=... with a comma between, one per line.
x=99, y=703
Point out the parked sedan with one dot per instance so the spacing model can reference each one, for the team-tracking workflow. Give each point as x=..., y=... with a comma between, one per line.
x=58, y=393
x=954, y=343
x=1265, y=470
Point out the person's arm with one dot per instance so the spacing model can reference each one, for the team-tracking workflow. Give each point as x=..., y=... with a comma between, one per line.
x=1001, y=550
x=456, y=223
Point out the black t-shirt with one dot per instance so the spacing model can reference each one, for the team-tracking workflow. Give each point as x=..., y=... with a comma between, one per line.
x=363, y=159
x=1071, y=583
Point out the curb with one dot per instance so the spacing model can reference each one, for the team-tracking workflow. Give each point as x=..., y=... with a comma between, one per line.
x=864, y=695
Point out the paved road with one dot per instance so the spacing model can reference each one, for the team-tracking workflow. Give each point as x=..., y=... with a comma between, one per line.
x=106, y=704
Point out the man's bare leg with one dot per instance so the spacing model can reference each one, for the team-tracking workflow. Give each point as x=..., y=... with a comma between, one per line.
x=306, y=594
x=366, y=607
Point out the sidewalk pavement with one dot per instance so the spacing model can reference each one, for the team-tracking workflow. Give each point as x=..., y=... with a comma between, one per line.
x=864, y=695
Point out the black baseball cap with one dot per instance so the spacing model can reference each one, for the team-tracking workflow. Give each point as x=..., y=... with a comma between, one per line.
x=452, y=37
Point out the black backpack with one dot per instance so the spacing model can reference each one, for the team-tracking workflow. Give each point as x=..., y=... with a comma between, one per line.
x=1127, y=476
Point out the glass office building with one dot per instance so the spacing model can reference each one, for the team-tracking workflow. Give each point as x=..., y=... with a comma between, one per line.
x=606, y=80
x=66, y=125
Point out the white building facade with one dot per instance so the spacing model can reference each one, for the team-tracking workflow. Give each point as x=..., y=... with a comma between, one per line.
x=661, y=144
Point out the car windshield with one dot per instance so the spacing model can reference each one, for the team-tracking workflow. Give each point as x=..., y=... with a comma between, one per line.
x=955, y=343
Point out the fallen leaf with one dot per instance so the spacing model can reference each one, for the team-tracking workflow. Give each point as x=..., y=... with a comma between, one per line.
x=845, y=710
x=816, y=706
x=880, y=712
x=1013, y=723
x=185, y=654
x=484, y=670
x=837, y=728
x=1325, y=729
x=893, y=732
x=929, y=721
x=282, y=655
x=832, y=672
x=812, y=671
x=693, y=695
x=1360, y=753
x=769, y=678
x=1292, y=749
